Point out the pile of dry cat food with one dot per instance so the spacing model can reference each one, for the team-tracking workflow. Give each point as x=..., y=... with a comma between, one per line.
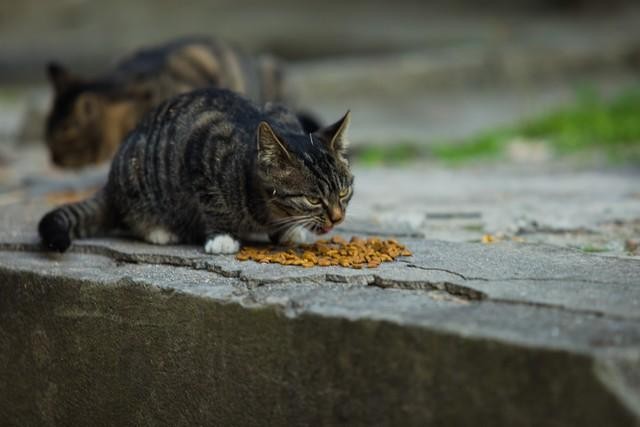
x=357, y=253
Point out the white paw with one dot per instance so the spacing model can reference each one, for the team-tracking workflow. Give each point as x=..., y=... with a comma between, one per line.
x=160, y=236
x=222, y=244
x=297, y=236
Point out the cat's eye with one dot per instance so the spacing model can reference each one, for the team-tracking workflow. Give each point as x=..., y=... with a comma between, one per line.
x=315, y=201
x=344, y=192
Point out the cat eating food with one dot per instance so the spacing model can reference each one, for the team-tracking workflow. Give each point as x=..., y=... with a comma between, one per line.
x=90, y=117
x=211, y=167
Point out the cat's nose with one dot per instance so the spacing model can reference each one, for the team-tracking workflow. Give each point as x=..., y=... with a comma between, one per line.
x=336, y=214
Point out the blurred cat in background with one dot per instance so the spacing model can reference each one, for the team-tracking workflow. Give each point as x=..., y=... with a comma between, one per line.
x=89, y=118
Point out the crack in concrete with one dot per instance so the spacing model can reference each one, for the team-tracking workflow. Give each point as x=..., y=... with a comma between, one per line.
x=124, y=257
x=205, y=265
x=454, y=289
x=199, y=264
x=192, y=263
x=512, y=279
x=444, y=270
x=564, y=308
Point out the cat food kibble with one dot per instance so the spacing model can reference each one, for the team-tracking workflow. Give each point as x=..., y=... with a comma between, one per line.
x=357, y=253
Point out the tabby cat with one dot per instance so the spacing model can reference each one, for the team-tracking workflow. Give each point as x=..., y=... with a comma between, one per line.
x=212, y=167
x=89, y=118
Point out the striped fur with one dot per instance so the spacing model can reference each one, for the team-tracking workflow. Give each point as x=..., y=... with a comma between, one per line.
x=209, y=166
x=89, y=118
x=74, y=220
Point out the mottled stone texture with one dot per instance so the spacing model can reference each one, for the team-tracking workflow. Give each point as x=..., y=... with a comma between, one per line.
x=119, y=332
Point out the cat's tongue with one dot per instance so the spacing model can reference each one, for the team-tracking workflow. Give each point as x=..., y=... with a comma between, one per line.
x=325, y=229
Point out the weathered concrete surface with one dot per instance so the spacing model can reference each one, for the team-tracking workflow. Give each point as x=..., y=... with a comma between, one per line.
x=122, y=332
x=587, y=209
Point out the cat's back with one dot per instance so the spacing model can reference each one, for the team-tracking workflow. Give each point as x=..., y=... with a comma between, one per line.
x=184, y=143
x=188, y=123
x=190, y=63
x=208, y=107
x=146, y=62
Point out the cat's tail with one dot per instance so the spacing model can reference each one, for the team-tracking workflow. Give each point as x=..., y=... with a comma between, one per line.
x=82, y=219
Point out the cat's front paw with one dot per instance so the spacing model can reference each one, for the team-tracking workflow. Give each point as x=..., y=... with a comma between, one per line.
x=222, y=244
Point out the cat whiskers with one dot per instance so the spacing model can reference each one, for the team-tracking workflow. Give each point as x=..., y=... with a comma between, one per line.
x=289, y=224
x=311, y=223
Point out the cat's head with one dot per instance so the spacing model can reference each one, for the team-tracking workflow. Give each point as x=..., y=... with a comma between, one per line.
x=306, y=177
x=77, y=133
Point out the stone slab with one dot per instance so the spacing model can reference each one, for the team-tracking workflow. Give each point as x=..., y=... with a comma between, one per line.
x=507, y=333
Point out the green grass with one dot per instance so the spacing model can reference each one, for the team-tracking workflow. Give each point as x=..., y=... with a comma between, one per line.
x=395, y=154
x=488, y=145
x=591, y=124
x=594, y=249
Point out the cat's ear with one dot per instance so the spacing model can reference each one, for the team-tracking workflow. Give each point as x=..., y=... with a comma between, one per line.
x=270, y=148
x=335, y=135
x=59, y=76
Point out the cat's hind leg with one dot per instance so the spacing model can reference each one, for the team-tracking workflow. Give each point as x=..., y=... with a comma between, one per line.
x=150, y=229
x=160, y=236
x=217, y=244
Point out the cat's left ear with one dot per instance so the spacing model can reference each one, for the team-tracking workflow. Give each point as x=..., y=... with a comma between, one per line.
x=270, y=148
x=335, y=135
x=59, y=76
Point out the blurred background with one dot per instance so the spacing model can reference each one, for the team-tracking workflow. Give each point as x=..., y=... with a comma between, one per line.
x=531, y=84
x=414, y=73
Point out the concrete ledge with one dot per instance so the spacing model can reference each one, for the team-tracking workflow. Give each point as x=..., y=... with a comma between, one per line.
x=126, y=341
x=129, y=353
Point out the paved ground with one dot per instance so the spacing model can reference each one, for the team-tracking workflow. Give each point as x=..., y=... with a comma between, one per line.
x=589, y=210
x=545, y=318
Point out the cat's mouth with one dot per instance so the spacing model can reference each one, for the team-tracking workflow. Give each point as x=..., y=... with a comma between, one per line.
x=321, y=229
x=325, y=230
